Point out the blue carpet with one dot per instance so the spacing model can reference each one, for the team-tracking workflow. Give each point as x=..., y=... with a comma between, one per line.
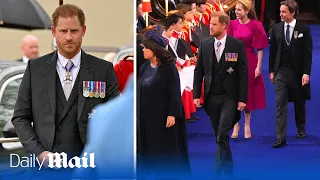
x=255, y=158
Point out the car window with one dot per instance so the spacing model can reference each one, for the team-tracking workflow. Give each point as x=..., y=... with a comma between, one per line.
x=8, y=99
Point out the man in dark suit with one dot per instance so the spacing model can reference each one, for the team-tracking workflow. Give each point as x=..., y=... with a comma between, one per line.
x=222, y=62
x=59, y=91
x=290, y=67
x=29, y=48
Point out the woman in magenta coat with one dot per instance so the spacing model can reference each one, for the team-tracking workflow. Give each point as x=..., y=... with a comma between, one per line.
x=249, y=30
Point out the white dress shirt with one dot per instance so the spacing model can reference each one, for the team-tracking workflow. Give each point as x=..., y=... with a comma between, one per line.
x=292, y=25
x=25, y=59
x=174, y=41
x=61, y=64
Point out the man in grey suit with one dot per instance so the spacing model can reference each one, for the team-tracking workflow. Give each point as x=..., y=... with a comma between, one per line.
x=59, y=91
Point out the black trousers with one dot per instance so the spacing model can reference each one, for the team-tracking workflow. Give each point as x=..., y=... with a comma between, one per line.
x=222, y=111
x=288, y=84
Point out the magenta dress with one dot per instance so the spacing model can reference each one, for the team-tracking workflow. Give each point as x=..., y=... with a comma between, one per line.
x=253, y=36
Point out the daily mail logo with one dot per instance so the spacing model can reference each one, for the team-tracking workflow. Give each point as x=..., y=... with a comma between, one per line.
x=56, y=161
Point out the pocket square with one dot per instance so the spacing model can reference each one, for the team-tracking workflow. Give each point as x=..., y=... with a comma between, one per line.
x=300, y=35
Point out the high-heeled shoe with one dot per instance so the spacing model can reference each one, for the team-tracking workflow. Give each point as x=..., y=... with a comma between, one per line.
x=247, y=132
x=235, y=133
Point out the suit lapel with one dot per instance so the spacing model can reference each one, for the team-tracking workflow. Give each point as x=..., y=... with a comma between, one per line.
x=59, y=91
x=181, y=50
x=50, y=77
x=222, y=61
x=293, y=40
x=86, y=74
x=280, y=37
x=211, y=52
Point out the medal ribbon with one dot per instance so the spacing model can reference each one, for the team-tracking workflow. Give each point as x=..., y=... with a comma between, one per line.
x=68, y=70
x=91, y=86
x=102, y=86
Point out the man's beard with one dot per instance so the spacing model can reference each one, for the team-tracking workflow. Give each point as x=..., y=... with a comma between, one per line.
x=215, y=34
x=75, y=49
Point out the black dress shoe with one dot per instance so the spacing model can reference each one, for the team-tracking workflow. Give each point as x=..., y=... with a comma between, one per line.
x=189, y=120
x=301, y=133
x=195, y=118
x=279, y=143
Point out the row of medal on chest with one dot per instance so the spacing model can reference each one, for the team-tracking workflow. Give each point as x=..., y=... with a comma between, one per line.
x=95, y=89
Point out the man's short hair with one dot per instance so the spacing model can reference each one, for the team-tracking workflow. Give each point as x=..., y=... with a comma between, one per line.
x=199, y=2
x=68, y=11
x=292, y=6
x=176, y=12
x=184, y=8
x=222, y=16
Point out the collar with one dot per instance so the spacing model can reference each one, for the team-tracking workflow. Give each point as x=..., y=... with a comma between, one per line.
x=223, y=40
x=76, y=59
x=292, y=24
x=25, y=59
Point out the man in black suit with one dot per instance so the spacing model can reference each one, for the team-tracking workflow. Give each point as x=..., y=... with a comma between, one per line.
x=290, y=67
x=59, y=91
x=222, y=62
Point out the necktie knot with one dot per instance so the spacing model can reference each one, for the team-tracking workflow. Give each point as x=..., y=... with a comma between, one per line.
x=67, y=88
x=69, y=65
x=219, y=44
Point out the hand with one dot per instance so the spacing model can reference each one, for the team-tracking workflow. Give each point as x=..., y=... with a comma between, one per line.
x=170, y=121
x=305, y=79
x=271, y=77
x=45, y=158
x=241, y=106
x=257, y=72
x=179, y=68
x=196, y=102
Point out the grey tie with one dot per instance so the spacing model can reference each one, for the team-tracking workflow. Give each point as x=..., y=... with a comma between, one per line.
x=67, y=88
x=218, y=53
